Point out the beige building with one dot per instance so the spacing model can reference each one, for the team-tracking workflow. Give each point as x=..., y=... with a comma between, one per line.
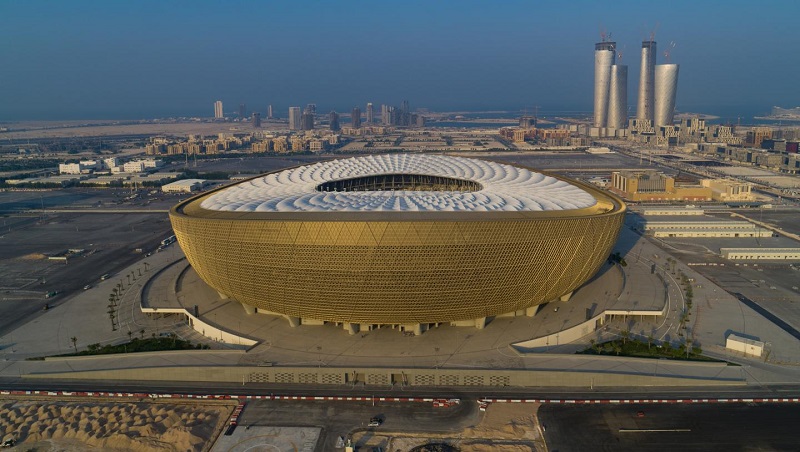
x=728, y=190
x=654, y=186
x=761, y=253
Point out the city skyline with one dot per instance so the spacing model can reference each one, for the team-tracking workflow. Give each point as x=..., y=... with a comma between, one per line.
x=125, y=61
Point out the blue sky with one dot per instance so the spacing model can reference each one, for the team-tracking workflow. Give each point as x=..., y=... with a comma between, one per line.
x=114, y=59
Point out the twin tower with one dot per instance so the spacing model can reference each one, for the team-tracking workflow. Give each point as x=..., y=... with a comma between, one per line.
x=658, y=85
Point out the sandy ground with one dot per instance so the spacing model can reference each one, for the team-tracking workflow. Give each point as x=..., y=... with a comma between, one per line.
x=504, y=427
x=79, y=425
x=110, y=128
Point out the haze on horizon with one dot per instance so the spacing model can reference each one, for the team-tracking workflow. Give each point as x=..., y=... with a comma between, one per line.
x=129, y=60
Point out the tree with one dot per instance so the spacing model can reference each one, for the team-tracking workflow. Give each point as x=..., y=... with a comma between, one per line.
x=130, y=335
x=625, y=334
x=593, y=343
x=141, y=333
x=688, y=347
x=74, y=343
x=112, y=316
x=650, y=340
x=617, y=348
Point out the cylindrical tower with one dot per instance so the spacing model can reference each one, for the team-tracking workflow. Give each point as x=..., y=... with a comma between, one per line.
x=618, y=97
x=604, y=53
x=644, y=105
x=666, y=78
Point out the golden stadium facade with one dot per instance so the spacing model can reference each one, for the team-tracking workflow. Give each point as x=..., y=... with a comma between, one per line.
x=400, y=239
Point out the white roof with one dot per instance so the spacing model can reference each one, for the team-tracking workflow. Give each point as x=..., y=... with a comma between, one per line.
x=185, y=182
x=505, y=188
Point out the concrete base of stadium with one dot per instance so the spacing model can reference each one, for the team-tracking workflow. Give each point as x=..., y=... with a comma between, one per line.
x=186, y=284
x=177, y=289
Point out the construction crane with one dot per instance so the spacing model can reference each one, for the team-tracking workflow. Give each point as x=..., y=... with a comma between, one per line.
x=668, y=52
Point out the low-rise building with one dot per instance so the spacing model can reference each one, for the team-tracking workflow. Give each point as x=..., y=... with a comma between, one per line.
x=654, y=186
x=184, y=186
x=760, y=253
x=731, y=229
x=670, y=211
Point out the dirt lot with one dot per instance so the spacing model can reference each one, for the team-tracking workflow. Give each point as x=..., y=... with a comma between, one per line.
x=504, y=427
x=78, y=425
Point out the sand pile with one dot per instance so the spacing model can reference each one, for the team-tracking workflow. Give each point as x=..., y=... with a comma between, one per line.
x=32, y=257
x=111, y=426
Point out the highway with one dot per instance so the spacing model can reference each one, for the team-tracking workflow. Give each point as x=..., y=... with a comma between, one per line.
x=614, y=419
x=468, y=393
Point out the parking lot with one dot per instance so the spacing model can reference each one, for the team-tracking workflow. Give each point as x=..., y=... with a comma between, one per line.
x=102, y=243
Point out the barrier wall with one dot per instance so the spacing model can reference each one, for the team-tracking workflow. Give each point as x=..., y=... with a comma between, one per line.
x=387, y=377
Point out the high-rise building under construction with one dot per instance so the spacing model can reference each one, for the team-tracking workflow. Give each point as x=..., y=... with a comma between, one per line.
x=666, y=88
x=646, y=100
x=604, y=53
x=618, y=97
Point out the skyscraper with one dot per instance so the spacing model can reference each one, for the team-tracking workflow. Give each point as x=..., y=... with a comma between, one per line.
x=604, y=53
x=218, y=110
x=618, y=97
x=356, y=117
x=645, y=103
x=307, y=121
x=294, y=118
x=386, y=118
x=256, y=119
x=269, y=112
x=242, y=111
x=334, y=120
x=370, y=114
x=666, y=88
x=311, y=108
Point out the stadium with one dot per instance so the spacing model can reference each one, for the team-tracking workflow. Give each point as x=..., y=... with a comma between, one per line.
x=409, y=240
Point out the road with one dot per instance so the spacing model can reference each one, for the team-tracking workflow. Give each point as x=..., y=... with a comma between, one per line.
x=344, y=418
x=469, y=393
x=713, y=427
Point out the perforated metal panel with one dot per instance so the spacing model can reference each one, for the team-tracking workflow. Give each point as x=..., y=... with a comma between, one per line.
x=397, y=269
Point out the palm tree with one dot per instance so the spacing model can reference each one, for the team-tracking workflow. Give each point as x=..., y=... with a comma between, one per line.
x=650, y=340
x=141, y=333
x=625, y=334
x=617, y=348
x=112, y=316
x=74, y=343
